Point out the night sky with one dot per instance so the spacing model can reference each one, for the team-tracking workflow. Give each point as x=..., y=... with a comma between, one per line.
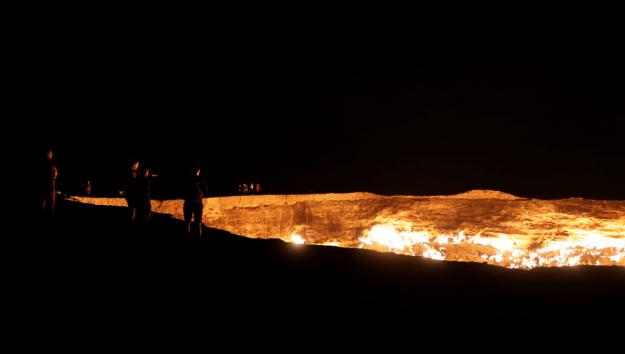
x=390, y=110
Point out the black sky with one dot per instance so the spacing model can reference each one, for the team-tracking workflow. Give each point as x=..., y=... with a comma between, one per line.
x=383, y=108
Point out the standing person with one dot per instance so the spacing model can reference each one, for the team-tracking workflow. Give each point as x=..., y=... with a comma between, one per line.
x=51, y=173
x=87, y=188
x=132, y=190
x=257, y=187
x=144, y=205
x=193, y=207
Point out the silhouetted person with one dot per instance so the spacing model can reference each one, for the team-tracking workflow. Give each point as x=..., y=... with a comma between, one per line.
x=132, y=190
x=257, y=187
x=137, y=194
x=144, y=206
x=193, y=207
x=252, y=186
x=87, y=188
x=51, y=173
x=245, y=188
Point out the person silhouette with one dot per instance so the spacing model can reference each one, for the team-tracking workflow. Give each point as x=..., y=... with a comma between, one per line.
x=195, y=191
x=144, y=205
x=132, y=190
x=87, y=188
x=51, y=173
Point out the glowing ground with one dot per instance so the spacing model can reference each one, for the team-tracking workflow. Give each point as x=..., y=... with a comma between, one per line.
x=477, y=226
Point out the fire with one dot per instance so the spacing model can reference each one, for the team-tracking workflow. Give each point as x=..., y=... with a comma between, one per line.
x=477, y=226
x=399, y=242
x=598, y=246
x=297, y=239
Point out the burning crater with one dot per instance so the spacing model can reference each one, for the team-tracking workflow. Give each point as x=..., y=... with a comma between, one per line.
x=477, y=226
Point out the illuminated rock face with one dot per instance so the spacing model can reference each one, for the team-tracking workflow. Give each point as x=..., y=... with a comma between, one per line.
x=477, y=226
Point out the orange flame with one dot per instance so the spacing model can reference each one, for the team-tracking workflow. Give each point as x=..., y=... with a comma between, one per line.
x=600, y=246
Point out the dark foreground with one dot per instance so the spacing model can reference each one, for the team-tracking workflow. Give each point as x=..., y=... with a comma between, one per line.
x=87, y=267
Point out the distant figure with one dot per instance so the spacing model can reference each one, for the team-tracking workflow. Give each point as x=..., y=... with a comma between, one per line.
x=144, y=206
x=257, y=187
x=137, y=193
x=252, y=185
x=88, y=188
x=132, y=190
x=240, y=190
x=193, y=206
x=245, y=188
x=51, y=173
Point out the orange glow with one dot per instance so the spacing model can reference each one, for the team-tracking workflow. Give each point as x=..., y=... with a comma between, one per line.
x=297, y=239
x=604, y=245
x=477, y=226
